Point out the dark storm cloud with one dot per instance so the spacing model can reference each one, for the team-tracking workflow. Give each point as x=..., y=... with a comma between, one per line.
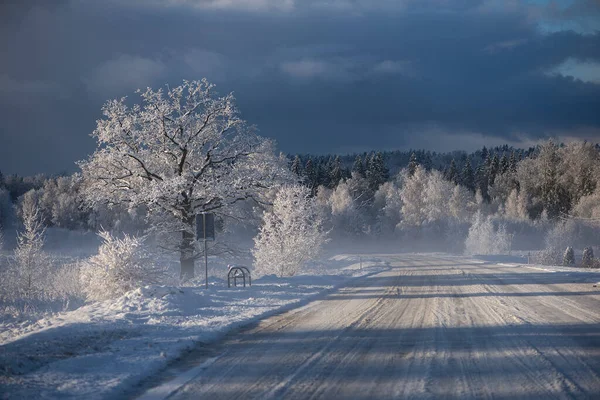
x=317, y=76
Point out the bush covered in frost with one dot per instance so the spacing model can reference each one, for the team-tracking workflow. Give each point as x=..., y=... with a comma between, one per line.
x=122, y=264
x=569, y=256
x=587, y=260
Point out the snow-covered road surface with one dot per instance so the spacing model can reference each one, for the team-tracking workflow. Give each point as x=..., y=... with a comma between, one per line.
x=431, y=327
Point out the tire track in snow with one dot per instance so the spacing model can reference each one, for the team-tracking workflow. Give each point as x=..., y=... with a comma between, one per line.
x=431, y=327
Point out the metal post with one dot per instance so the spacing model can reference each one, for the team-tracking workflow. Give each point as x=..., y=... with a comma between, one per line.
x=205, y=251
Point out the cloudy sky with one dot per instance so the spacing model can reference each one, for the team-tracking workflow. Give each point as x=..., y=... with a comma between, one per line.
x=318, y=76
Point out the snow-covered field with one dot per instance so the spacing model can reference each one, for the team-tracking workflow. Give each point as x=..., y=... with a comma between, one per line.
x=103, y=349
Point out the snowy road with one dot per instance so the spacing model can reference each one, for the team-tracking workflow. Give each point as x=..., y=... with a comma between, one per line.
x=430, y=327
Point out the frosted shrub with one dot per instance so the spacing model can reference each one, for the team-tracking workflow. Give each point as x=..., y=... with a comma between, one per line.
x=291, y=235
x=549, y=256
x=561, y=235
x=483, y=238
x=29, y=271
x=558, y=237
x=68, y=285
x=122, y=264
x=569, y=256
x=587, y=260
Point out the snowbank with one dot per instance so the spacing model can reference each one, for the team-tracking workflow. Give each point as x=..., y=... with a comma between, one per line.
x=104, y=349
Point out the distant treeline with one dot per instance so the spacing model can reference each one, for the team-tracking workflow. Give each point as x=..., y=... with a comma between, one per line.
x=328, y=170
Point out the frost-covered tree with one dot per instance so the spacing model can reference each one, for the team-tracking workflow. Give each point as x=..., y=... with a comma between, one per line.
x=436, y=197
x=468, y=177
x=291, y=235
x=180, y=152
x=413, y=199
x=29, y=272
x=515, y=207
x=61, y=202
x=452, y=173
x=588, y=207
x=587, y=259
x=552, y=194
x=296, y=166
x=512, y=163
x=560, y=236
x=335, y=174
x=461, y=204
x=481, y=181
x=377, y=173
x=484, y=238
x=569, y=256
x=358, y=166
x=580, y=171
x=348, y=207
x=6, y=209
x=389, y=204
x=312, y=175
x=122, y=264
x=493, y=168
x=504, y=164
x=412, y=164
x=540, y=178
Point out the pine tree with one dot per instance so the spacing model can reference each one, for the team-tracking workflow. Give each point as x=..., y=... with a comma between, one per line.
x=493, y=169
x=504, y=165
x=335, y=175
x=587, y=259
x=311, y=174
x=358, y=166
x=512, y=163
x=324, y=172
x=468, y=179
x=484, y=154
x=377, y=173
x=368, y=162
x=569, y=256
x=554, y=197
x=427, y=162
x=297, y=166
x=412, y=164
x=481, y=181
x=452, y=173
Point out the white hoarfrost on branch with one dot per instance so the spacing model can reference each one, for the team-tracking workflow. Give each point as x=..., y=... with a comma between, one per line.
x=29, y=273
x=484, y=238
x=413, y=198
x=122, y=264
x=180, y=152
x=291, y=235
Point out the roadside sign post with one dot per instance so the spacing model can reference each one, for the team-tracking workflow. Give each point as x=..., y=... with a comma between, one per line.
x=205, y=230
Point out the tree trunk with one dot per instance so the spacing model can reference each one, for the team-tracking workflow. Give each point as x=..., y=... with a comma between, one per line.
x=186, y=258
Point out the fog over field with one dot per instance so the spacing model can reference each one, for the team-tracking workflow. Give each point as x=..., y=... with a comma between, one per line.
x=284, y=199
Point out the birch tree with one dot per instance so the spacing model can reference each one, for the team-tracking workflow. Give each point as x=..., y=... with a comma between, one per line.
x=291, y=235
